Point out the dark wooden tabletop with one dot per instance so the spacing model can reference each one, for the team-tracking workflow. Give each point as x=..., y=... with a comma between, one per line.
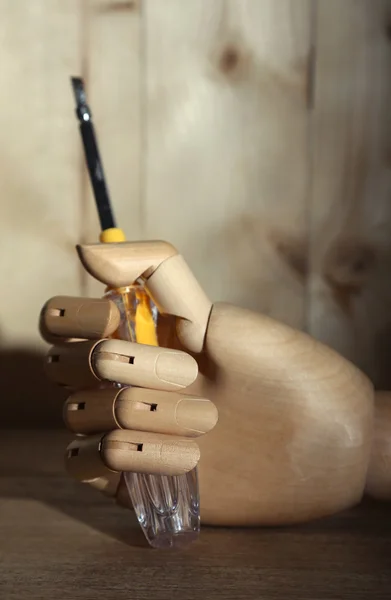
x=60, y=539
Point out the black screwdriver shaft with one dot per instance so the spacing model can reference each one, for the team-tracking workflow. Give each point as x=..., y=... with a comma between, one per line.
x=91, y=151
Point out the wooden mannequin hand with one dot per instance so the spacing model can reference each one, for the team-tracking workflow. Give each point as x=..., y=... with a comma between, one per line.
x=295, y=419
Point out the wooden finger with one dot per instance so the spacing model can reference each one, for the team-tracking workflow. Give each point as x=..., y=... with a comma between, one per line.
x=113, y=485
x=108, y=485
x=82, y=318
x=84, y=364
x=71, y=365
x=93, y=457
x=176, y=291
x=144, y=366
x=167, y=279
x=173, y=413
x=120, y=264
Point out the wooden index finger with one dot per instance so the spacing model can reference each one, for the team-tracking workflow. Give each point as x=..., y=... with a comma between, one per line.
x=68, y=317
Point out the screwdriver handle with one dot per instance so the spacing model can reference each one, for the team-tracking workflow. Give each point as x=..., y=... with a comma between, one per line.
x=167, y=507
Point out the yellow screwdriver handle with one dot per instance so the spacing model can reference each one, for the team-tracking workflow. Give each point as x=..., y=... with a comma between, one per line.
x=144, y=323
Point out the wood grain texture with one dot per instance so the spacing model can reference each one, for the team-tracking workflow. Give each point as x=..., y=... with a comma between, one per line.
x=112, y=67
x=226, y=92
x=40, y=194
x=379, y=473
x=61, y=539
x=351, y=210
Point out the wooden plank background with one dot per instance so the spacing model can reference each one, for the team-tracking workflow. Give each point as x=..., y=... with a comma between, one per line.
x=253, y=134
x=350, y=284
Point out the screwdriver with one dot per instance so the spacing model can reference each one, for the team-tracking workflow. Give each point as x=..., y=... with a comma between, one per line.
x=144, y=322
x=167, y=507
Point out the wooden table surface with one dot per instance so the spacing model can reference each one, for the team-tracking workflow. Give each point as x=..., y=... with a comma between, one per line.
x=60, y=539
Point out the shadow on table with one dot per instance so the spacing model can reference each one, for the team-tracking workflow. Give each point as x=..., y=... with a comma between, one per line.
x=32, y=447
x=27, y=398
x=34, y=471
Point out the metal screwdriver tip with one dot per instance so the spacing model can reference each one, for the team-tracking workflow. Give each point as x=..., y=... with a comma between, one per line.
x=78, y=90
x=83, y=111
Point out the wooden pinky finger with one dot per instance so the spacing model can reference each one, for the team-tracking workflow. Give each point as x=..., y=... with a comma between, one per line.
x=93, y=457
x=113, y=486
